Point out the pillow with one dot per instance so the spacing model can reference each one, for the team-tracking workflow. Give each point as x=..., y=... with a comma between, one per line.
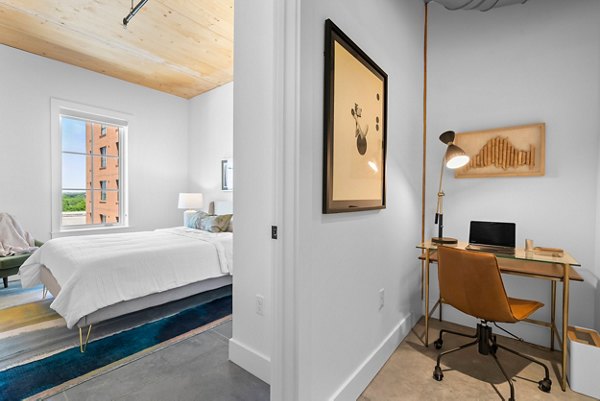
x=230, y=226
x=215, y=224
x=194, y=221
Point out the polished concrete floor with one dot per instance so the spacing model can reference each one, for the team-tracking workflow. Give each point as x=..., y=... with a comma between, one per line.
x=194, y=369
x=407, y=375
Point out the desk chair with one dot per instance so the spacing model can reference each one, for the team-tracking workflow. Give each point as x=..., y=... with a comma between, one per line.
x=471, y=282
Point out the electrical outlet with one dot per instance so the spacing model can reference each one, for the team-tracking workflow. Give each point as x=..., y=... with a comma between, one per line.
x=381, y=298
x=260, y=305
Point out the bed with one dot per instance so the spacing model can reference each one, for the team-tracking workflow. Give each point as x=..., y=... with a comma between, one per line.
x=98, y=277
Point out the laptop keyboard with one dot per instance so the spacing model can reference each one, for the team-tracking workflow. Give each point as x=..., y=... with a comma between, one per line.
x=491, y=249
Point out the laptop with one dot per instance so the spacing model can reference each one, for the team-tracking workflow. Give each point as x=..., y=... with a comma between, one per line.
x=489, y=236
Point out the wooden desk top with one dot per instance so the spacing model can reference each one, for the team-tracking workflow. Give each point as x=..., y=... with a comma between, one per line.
x=549, y=271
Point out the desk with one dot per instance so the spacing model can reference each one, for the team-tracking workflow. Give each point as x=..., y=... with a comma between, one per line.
x=527, y=264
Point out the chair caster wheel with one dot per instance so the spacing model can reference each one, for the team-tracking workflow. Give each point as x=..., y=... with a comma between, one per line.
x=438, y=343
x=545, y=385
x=437, y=374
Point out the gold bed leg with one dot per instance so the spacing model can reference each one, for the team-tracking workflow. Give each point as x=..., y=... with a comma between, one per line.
x=83, y=345
x=44, y=292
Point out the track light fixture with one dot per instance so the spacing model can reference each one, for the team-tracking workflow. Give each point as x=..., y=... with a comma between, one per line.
x=133, y=11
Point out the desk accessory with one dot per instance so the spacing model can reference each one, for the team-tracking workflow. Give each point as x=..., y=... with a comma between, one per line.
x=454, y=158
x=556, y=252
x=528, y=245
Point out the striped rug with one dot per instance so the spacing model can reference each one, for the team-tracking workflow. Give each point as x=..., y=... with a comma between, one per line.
x=34, y=339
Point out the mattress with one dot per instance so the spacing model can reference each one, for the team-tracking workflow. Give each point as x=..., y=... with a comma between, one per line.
x=91, y=273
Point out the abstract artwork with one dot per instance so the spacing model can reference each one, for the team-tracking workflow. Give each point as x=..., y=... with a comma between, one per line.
x=355, y=127
x=504, y=152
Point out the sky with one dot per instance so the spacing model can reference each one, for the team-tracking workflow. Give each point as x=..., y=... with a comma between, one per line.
x=73, y=166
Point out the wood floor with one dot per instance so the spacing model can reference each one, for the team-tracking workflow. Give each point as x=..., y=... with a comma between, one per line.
x=407, y=375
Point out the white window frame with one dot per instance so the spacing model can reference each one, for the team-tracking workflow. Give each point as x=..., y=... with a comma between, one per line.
x=58, y=108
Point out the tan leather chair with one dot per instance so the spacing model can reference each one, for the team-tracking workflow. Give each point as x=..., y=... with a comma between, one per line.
x=471, y=282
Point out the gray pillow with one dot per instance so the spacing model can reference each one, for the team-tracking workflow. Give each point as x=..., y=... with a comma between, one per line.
x=215, y=224
x=194, y=221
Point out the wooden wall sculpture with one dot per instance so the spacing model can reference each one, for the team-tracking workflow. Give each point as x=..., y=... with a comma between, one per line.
x=504, y=152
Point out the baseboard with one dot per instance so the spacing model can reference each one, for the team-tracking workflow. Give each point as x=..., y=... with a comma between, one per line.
x=352, y=388
x=251, y=360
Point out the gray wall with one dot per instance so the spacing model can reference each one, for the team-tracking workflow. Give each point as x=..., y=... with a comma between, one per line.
x=345, y=259
x=537, y=62
x=157, y=140
x=210, y=141
x=253, y=145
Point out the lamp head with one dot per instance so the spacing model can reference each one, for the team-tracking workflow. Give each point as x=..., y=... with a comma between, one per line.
x=455, y=157
x=448, y=137
x=190, y=201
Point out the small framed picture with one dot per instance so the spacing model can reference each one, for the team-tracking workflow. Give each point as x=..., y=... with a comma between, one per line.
x=227, y=174
x=355, y=127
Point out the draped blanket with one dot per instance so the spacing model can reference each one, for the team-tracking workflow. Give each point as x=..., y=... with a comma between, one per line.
x=13, y=239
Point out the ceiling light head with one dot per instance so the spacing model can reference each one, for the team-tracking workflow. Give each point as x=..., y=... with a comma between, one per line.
x=133, y=12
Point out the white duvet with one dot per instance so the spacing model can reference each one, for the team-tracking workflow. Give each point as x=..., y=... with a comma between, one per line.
x=101, y=270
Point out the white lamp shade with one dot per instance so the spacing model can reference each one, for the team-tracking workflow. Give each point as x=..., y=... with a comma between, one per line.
x=455, y=157
x=190, y=201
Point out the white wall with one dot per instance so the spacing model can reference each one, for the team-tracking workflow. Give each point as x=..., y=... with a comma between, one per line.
x=157, y=140
x=210, y=141
x=537, y=62
x=253, y=146
x=345, y=259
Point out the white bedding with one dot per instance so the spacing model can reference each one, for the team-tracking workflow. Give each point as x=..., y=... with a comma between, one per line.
x=101, y=270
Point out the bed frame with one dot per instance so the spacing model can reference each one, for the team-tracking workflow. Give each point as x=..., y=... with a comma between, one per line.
x=148, y=301
x=123, y=308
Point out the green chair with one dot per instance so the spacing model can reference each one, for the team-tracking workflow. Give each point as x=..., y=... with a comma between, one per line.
x=9, y=265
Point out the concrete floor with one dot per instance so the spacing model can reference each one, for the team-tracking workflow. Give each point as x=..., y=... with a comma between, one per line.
x=194, y=369
x=407, y=375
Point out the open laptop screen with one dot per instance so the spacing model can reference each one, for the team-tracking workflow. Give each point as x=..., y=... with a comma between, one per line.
x=492, y=233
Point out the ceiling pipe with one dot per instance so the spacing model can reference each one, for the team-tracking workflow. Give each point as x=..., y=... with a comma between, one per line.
x=133, y=11
x=481, y=5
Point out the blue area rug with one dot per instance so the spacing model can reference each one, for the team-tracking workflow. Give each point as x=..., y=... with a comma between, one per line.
x=29, y=379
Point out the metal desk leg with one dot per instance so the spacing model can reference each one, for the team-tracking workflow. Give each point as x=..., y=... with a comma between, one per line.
x=427, y=298
x=565, y=325
x=552, y=313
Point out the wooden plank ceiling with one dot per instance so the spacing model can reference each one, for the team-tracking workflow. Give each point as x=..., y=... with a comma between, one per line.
x=182, y=47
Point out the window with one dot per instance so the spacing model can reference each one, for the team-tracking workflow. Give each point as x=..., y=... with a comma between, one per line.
x=103, y=157
x=88, y=167
x=102, y=192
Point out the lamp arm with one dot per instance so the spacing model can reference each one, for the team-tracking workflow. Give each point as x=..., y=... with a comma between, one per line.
x=440, y=193
x=439, y=214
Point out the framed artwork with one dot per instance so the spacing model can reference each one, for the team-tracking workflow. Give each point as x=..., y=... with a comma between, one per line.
x=227, y=174
x=504, y=152
x=355, y=120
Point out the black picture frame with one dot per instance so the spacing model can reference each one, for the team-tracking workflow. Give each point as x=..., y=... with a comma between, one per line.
x=337, y=165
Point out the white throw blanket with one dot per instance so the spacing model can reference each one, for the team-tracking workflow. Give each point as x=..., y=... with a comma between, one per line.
x=13, y=239
x=96, y=271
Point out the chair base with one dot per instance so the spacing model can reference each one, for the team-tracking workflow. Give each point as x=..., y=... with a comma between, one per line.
x=487, y=345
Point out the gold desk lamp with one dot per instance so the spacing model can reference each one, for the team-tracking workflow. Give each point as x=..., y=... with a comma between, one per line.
x=454, y=158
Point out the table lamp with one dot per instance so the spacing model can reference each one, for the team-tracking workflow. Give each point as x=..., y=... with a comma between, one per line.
x=190, y=202
x=454, y=158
